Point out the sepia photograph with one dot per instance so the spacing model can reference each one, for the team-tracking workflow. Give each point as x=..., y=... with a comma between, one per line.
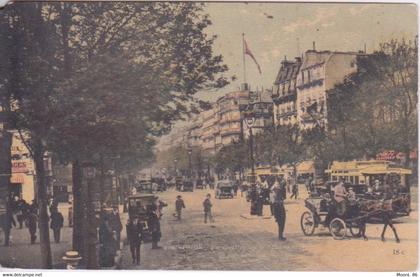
x=208, y=136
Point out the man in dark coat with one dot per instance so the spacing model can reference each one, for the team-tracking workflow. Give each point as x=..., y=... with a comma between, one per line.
x=7, y=222
x=22, y=211
x=134, y=236
x=108, y=247
x=207, y=205
x=116, y=225
x=33, y=207
x=179, y=205
x=279, y=210
x=57, y=222
x=32, y=222
x=154, y=225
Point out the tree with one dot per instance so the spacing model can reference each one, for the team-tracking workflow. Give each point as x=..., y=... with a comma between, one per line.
x=28, y=93
x=234, y=157
x=374, y=109
x=103, y=78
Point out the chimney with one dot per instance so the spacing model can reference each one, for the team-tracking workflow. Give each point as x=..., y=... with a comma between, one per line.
x=313, y=45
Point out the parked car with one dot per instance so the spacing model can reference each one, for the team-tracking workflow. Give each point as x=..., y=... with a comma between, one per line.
x=224, y=189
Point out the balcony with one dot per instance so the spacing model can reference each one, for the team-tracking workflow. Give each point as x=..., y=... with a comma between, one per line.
x=286, y=114
x=230, y=119
x=230, y=131
x=318, y=82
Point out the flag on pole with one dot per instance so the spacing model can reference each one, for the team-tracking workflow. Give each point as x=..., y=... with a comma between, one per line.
x=249, y=53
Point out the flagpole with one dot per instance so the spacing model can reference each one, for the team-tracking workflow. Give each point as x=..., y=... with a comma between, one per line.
x=243, y=56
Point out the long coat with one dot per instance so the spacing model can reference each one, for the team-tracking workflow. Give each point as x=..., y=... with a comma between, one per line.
x=134, y=233
x=57, y=220
x=31, y=222
x=115, y=222
x=154, y=225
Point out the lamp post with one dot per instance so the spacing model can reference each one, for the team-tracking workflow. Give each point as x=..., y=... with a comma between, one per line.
x=189, y=162
x=255, y=204
x=250, y=120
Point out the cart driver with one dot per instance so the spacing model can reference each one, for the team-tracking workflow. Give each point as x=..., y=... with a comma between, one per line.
x=340, y=195
x=351, y=195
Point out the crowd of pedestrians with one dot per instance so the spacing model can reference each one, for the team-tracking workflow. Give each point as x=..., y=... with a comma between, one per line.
x=20, y=214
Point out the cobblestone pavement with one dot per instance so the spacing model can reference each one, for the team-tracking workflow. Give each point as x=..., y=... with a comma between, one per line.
x=236, y=243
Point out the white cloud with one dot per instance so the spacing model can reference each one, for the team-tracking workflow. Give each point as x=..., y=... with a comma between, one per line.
x=322, y=17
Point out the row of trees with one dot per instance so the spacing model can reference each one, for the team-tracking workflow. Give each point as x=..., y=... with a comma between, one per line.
x=90, y=82
x=373, y=110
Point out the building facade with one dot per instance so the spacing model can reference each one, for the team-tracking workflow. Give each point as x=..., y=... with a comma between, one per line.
x=209, y=130
x=23, y=170
x=320, y=72
x=285, y=92
x=261, y=108
x=230, y=119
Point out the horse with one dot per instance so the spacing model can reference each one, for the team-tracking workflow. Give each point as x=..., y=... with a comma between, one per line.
x=382, y=209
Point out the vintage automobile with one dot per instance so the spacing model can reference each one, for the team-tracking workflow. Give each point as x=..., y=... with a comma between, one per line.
x=224, y=189
x=144, y=186
x=187, y=185
x=199, y=184
x=140, y=206
x=178, y=183
x=161, y=183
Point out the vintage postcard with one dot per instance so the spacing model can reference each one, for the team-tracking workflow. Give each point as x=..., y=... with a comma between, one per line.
x=253, y=136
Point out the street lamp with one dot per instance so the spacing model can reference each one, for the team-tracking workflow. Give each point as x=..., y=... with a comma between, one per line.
x=249, y=121
x=189, y=162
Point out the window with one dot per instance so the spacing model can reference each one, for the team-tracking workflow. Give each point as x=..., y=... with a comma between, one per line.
x=303, y=77
x=309, y=75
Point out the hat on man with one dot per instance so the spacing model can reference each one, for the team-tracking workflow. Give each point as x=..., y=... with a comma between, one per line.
x=72, y=256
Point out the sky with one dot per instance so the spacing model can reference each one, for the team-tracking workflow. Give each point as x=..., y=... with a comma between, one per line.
x=336, y=27
x=272, y=31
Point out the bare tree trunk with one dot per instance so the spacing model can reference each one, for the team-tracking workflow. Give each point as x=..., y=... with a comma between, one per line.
x=44, y=234
x=78, y=210
x=90, y=231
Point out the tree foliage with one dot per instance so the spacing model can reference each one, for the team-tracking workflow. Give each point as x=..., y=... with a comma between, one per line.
x=88, y=80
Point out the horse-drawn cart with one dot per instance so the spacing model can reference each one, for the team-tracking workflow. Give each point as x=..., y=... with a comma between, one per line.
x=323, y=211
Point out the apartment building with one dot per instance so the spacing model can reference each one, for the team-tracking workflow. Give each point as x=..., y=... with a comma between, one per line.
x=261, y=107
x=320, y=72
x=209, y=129
x=229, y=113
x=285, y=92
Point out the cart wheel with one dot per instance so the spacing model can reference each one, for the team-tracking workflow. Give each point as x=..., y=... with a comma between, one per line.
x=307, y=223
x=355, y=230
x=338, y=228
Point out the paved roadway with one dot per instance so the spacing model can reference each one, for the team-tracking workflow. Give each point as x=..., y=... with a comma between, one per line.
x=235, y=243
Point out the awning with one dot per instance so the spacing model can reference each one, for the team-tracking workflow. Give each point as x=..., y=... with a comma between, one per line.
x=374, y=171
x=305, y=167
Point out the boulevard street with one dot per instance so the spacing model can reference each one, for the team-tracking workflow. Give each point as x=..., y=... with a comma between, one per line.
x=236, y=243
